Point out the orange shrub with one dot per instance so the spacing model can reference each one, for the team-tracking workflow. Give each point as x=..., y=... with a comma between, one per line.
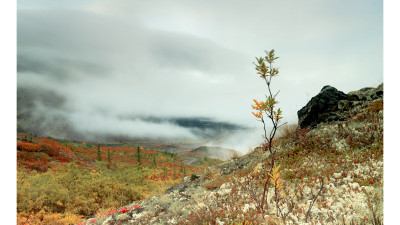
x=24, y=146
x=54, y=144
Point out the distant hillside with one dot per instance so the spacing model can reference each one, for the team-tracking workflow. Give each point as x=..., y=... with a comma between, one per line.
x=168, y=148
x=215, y=152
x=204, y=123
x=202, y=127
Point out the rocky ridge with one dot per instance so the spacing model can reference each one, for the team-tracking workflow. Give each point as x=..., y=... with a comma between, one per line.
x=333, y=105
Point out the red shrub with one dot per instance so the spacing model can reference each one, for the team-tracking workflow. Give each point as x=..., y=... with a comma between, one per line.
x=25, y=156
x=24, y=146
x=39, y=166
x=62, y=159
x=33, y=161
x=51, y=151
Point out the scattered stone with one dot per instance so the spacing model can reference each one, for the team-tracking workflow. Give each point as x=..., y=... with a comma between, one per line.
x=187, y=182
x=123, y=217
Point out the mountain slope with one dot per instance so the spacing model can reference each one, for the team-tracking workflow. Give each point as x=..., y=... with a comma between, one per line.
x=332, y=174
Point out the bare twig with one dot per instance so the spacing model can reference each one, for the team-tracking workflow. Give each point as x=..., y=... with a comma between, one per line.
x=291, y=206
x=376, y=220
x=281, y=125
x=314, y=198
x=277, y=93
x=255, y=197
x=266, y=187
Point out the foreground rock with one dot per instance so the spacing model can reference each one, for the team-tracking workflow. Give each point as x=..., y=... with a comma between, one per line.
x=319, y=108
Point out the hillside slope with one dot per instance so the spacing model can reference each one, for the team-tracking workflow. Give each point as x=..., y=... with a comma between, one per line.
x=332, y=174
x=64, y=181
x=215, y=152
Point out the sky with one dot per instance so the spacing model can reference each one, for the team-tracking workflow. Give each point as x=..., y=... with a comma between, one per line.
x=102, y=67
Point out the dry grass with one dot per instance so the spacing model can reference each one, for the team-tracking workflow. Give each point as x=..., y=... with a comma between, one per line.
x=210, y=175
x=287, y=130
x=235, y=155
x=286, y=134
x=273, y=220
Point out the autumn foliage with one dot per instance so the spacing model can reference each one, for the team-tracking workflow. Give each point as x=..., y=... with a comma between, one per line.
x=38, y=162
x=30, y=147
x=265, y=110
x=50, y=171
x=54, y=143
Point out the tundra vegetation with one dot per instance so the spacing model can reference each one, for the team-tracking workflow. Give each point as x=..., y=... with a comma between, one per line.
x=63, y=182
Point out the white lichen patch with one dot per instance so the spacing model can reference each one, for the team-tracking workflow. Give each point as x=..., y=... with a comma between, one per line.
x=340, y=145
x=337, y=175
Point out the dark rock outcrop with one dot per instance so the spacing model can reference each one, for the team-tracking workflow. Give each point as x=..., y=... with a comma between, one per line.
x=333, y=105
x=192, y=181
x=319, y=108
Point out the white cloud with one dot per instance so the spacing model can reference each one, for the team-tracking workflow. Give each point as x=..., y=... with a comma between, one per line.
x=98, y=124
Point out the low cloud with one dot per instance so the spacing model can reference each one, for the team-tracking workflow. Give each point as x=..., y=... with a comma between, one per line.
x=242, y=141
x=101, y=125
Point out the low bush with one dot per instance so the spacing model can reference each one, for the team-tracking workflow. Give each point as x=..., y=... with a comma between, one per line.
x=29, y=147
x=78, y=190
x=34, y=160
x=50, y=150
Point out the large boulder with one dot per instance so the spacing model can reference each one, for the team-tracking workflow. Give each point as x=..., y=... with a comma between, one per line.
x=320, y=108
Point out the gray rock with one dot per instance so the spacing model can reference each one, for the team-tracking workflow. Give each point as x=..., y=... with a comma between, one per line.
x=189, y=181
x=368, y=94
x=319, y=108
x=124, y=216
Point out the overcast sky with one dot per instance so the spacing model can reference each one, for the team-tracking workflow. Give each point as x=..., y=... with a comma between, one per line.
x=105, y=61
